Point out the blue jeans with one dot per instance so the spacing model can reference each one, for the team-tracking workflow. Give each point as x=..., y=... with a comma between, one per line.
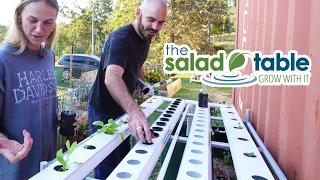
x=105, y=168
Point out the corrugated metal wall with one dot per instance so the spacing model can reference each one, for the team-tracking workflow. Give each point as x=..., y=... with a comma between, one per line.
x=286, y=118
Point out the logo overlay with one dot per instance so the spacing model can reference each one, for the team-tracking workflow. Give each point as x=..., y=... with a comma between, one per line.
x=222, y=70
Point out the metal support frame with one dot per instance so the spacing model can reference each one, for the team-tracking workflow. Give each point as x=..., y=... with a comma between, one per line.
x=137, y=160
x=270, y=160
x=196, y=160
x=104, y=145
x=214, y=144
x=247, y=160
x=141, y=160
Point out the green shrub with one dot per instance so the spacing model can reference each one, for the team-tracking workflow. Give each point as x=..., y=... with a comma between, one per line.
x=153, y=77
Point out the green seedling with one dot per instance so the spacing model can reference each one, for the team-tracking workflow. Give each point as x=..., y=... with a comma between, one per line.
x=86, y=146
x=239, y=126
x=110, y=128
x=59, y=155
x=251, y=154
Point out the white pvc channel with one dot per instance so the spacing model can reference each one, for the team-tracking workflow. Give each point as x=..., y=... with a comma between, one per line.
x=241, y=145
x=104, y=144
x=196, y=160
x=141, y=160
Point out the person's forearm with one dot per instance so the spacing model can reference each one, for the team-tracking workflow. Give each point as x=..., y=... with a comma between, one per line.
x=141, y=73
x=119, y=92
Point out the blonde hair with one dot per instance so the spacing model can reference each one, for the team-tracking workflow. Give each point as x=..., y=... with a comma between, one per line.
x=15, y=35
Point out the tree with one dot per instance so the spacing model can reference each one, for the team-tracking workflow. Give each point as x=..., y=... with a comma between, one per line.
x=79, y=30
x=3, y=31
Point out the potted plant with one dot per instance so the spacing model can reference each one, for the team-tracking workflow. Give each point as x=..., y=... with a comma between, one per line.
x=83, y=131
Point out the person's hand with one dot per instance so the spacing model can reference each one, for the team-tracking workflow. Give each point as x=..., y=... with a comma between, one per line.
x=14, y=151
x=139, y=92
x=75, y=124
x=138, y=124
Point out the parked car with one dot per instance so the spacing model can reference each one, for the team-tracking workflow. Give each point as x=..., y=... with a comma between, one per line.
x=80, y=63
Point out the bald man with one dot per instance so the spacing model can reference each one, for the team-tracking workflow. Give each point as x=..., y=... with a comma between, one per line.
x=125, y=50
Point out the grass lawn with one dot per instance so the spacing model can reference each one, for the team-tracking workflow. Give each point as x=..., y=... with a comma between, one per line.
x=190, y=90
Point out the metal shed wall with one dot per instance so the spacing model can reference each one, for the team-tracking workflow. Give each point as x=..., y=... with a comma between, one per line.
x=285, y=117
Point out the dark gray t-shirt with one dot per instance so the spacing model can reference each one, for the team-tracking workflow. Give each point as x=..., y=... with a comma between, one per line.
x=124, y=48
x=28, y=101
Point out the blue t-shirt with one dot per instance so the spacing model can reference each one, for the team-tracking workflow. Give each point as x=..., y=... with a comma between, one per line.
x=28, y=101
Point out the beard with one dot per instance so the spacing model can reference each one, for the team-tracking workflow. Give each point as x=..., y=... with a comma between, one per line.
x=144, y=31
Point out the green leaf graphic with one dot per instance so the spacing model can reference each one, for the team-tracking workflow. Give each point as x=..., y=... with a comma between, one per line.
x=236, y=60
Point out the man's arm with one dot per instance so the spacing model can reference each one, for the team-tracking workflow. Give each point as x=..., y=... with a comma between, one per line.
x=141, y=74
x=119, y=92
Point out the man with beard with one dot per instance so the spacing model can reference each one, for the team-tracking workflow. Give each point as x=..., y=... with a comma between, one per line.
x=124, y=53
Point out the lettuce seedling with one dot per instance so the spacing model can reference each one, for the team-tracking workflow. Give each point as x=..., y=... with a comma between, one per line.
x=239, y=126
x=110, y=128
x=60, y=158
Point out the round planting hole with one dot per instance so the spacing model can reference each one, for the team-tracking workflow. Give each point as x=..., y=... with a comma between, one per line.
x=124, y=175
x=147, y=143
x=197, y=143
x=231, y=112
x=200, y=120
x=178, y=99
x=233, y=119
x=243, y=139
x=198, y=136
x=157, y=128
x=167, y=115
x=199, y=130
x=169, y=112
x=174, y=106
x=161, y=123
x=194, y=161
x=141, y=151
x=200, y=117
x=59, y=168
x=200, y=125
x=133, y=162
x=172, y=109
x=155, y=134
x=194, y=174
x=149, y=102
x=255, y=177
x=201, y=113
x=177, y=102
x=89, y=147
x=228, y=107
x=164, y=119
x=252, y=155
x=196, y=151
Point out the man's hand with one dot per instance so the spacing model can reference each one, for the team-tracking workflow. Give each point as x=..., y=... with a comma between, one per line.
x=14, y=151
x=139, y=92
x=138, y=124
x=75, y=124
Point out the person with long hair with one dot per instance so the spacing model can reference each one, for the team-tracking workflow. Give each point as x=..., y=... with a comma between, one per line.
x=28, y=101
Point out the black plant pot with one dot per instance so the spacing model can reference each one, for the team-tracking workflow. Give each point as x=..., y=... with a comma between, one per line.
x=67, y=120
